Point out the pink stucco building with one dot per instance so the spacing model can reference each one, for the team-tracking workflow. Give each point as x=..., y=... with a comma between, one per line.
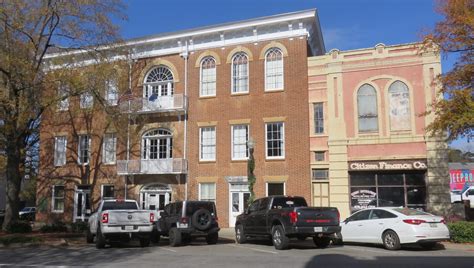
x=368, y=142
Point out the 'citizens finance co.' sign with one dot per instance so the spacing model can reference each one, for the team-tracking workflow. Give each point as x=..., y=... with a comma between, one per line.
x=388, y=165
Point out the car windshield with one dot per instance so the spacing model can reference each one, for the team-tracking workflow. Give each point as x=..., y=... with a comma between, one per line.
x=192, y=207
x=116, y=205
x=410, y=212
x=27, y=209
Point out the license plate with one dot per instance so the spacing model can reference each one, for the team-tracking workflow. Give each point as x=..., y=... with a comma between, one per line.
x=433, y=225
x=318, y=229
x=129, y=228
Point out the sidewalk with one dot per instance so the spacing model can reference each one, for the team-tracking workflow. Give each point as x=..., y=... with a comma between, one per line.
x=227, y=233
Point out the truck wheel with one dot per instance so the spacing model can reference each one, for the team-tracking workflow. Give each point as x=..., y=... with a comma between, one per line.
x=211, y=239
x=240, y=237
x=280, y=240
x=321, y=242
x=144, y=242
x=175, y=237
x=202, y=219
x=99, y=240
x=390, y=240
x=89, y=236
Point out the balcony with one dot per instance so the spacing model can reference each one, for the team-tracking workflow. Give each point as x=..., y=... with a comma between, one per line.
x=174, y=103
x=153, y=166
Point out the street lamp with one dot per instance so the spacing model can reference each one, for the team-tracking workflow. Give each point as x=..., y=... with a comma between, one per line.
x=250, y=168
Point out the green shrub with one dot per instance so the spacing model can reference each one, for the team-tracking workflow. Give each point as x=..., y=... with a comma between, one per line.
x=19, y=227
x=79, y=227
x=58, y=226
x=7, y=240
x=462, y=231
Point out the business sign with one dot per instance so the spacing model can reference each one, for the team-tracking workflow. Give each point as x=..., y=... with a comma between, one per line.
x=417, y=164
x=460, y=178
x=361, y=199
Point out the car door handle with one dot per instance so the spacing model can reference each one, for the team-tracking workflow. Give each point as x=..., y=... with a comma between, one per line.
x=380, y=223
x=360, y=225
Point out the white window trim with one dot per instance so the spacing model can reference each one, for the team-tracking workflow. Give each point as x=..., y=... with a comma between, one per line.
x=283, y=138
x=79, y=150
x=232, y=141
x=56, y=148
x=104, y=149
x=232, y=76
x=283, y=72
x=200, y=78
x=266, y=187
x=200, y=144
x=53, y=200
x=111, y=102
x=102, y=190
x=215, y=190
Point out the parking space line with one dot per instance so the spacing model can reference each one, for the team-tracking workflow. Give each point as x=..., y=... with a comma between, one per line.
x=255, y=249
x=171, y=250
x=371, y=250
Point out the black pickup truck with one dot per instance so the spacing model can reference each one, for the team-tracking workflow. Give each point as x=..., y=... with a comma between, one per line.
x=285, y=217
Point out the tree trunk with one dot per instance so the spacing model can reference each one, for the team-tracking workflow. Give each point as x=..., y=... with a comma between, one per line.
x=13, y=184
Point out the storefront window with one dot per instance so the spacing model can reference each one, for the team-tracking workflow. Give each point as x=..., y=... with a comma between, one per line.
x=388, y=189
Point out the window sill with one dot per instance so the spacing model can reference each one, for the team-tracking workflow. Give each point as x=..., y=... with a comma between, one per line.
x=239, y=160
x=274, y=90
x=319, y=135
x=207, y=97
x=240, y=93
x=109, y=164
x=207, y=161
x=57, y=211
x=275, y=159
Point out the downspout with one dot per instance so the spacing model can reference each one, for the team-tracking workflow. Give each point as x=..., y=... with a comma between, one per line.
x=128, y=121
x=186, y=55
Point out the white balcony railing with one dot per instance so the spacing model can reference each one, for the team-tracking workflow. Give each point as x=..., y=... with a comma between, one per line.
x=153, y=166
x=176, y=102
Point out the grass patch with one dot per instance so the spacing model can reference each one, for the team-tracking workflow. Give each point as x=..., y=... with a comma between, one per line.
x=7, y=240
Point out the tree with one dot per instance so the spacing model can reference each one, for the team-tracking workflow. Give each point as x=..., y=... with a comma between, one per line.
x=29, y=30
x=455, y=35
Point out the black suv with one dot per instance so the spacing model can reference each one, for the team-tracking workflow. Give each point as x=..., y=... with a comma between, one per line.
x=183, y=220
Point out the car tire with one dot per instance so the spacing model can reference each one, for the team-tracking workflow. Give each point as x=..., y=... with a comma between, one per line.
x=428, y=245
x=390, y=240
x=322, y=242
x=240, y=236
x=89, y=236
x=175, y=237
x=144, y=242
x=202, y=219
x=279, y=238
x=211, y=239
x=100, y=239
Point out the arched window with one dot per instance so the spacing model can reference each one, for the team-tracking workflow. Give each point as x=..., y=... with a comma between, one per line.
x=158, y=82
x=367, y=108
x=240, y=76
x=399, y=105
x=273, y=69
x=157, y=144
x=208, y=77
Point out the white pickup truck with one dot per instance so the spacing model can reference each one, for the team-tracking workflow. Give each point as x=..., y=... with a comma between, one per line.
x=119, y=220
x=468, y=195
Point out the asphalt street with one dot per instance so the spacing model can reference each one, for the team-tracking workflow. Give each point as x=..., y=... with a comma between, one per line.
x=228, y=254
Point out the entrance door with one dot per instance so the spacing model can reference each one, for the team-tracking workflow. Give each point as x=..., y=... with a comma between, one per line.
x=238, y=196
x=321, y=194
x=82, y=205
x=156, y=200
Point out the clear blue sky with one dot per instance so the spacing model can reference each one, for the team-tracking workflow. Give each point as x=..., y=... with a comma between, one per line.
x=346, y=24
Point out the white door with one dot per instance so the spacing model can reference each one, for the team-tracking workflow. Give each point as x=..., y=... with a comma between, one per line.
x=82, y=205
x=352, y=227
x=238, y=197
x=155, y=200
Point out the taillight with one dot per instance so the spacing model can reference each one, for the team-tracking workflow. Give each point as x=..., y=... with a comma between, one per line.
x=443, y=221
x=105, y=217
x=414, y=221
x=184, y=220
x=293, y=217
x=152, y=217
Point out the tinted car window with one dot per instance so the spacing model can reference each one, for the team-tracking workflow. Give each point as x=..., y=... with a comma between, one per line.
x=192, y=207
x=254, y=206
x=263, y=204
x=288, y=202
x=381, y=214
x=359, y=216
x=119, y=205
x=178, y=208
x=410, y=212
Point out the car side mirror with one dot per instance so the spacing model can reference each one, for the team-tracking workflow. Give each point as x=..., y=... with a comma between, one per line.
x=346, y=221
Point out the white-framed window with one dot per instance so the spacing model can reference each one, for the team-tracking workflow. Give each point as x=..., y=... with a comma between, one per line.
x=318, y=118
x=240, y=136
x=63, y=95
x=240, y=73
x=111, y=92
x=207, y=143
x=84, y=149
x=208, y=77
x=109, y=148
x=158, y=83
x=275, y=140
x=274, y=69
x=87, y=100
x=399, y=105
x=60, y=145
x=207, y=192
x=157, y=144
x=320, y=174
x=276, y=188
x=367, y=108
x=107, y=191
x=57, y=200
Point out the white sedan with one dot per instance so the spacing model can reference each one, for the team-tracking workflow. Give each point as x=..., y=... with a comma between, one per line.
x=393, y=227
